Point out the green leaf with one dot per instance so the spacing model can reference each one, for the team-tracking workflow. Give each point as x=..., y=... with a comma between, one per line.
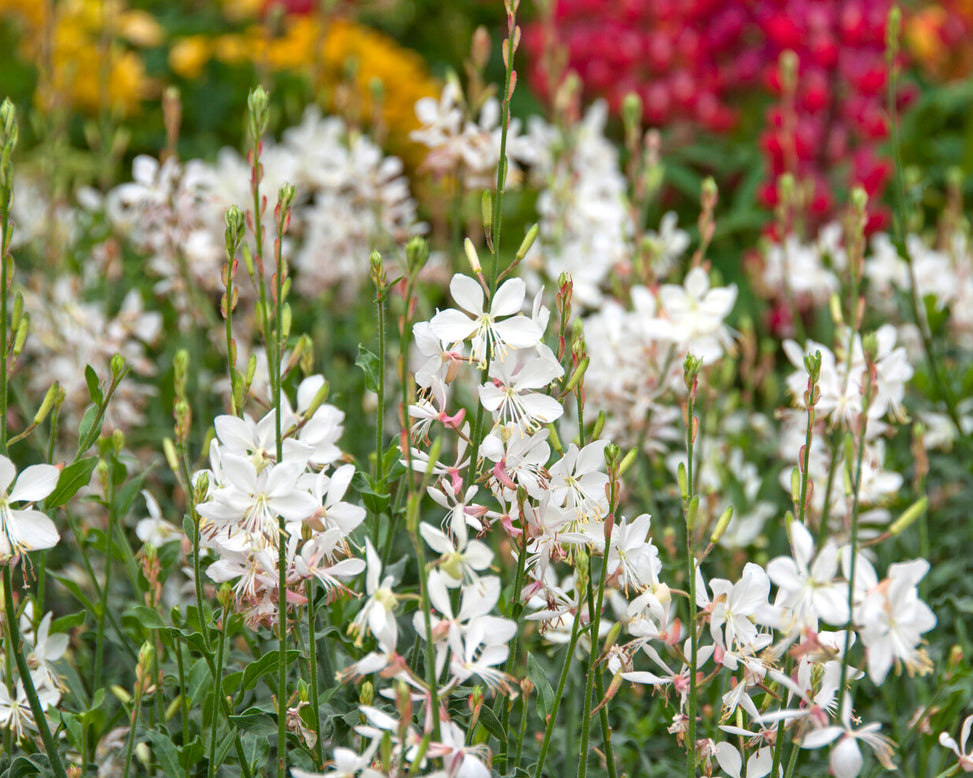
x=370, y=365
x=72, y=478
x=545, y=694
x=256, y=722
x=125, y=496
x=148, y=617
x=94, y=385
x=73, y=587
x=264, y=665
x=23, y=766
x=65, y=623
x=87, y=432
x=492, y=724
x=190, y=753
x=165, y=751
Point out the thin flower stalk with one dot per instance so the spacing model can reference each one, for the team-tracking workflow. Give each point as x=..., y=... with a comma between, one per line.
x=509, y=48
x=218, y=680
x=690, y=505
x=558, y=693
x=811, y=394
x=855, y=509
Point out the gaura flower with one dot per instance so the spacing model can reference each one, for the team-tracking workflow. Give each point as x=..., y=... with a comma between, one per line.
x=25, y=529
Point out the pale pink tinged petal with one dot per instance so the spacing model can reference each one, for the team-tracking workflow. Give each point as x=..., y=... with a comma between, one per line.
x=509, y=298
x=542, y=407
x=846, y=758
x=729, y=759
x=467, y=294
x=821, y=737
x=35, y=483
x=36, y=529
x=452, y=326
x=538, y=373
x=7, y=474
x=436, y=538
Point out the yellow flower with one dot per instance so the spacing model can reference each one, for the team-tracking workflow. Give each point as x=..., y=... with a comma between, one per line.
x=188, y=56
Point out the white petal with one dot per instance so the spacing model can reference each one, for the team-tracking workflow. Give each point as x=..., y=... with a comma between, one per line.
x=467, y=293
x=35, y=483
x=509, y=298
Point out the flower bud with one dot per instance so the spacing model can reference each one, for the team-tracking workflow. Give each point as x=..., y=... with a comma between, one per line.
x=486, y=211
x=47, y=403
x=258, y=104
x=172, y=459
x=173, y=708
x=527, y=242
x=235, y=230
x=912, y=513
x=471, y=256
x=117, y=366
x=721, y=525
x=416, y=253
x=632, y=112
x=788, y=66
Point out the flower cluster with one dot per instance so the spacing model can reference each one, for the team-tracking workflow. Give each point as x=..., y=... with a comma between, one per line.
x=351, y=199
x=253, y=496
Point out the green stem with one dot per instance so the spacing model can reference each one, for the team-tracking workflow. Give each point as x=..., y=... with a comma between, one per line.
x=515, y=612
x=855, y=504
x=594, y=622
x=431, y=678
x=131, y=732
x=559, y=694
x=691, y=572
x=218, y=692
x=313, y=660
x=109, y=550
x=15, y=647
x=497, y=218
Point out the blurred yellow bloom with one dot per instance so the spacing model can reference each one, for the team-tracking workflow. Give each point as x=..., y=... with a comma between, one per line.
x=90, y=64
x=342, y=54
x=141, y=29
x=188, y=56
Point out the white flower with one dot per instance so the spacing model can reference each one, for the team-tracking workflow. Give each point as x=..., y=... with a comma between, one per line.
x=965, y=757
x=484, y=329
x=25, y=529
x=511, y=397
x=846, y=757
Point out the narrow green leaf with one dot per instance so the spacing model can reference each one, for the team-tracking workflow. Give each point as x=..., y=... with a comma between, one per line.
x=266, y=663
x=370, y=365
x=72, y=478
x=545, y=694
x=94, y=385
x=492, y=724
